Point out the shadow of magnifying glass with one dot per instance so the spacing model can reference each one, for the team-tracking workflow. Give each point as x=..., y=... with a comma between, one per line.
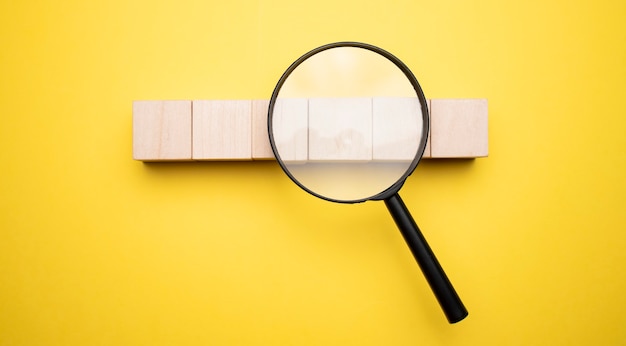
x=348, y=123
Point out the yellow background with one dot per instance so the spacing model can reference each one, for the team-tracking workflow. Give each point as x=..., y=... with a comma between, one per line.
x=98, y=249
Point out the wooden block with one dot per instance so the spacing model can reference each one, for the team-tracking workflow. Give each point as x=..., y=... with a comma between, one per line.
x=459, y=128
x=222, y=130
x=261, y=149
x=290, y=129
x=161, y=130
x=340, y=129
x=397, y=128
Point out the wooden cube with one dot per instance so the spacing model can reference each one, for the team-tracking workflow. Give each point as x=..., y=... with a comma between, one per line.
x=290, y=129
x=340, y=129
x=261, y=149
x=161, y=130
x=222, y=130
x=459, y=128
x=397, y=128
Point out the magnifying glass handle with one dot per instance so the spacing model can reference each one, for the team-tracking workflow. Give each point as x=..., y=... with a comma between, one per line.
x=446, y=295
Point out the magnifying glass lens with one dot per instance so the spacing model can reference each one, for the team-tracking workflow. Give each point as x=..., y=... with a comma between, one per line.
x=347, y=124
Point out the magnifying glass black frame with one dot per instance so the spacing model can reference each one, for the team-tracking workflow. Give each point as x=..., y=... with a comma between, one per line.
x=447, y=297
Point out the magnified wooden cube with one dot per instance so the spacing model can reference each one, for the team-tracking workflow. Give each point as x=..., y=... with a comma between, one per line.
x=290, y=122
x=162, y=130
x=397, y=126
x=222, y=130
x=340, y=129
x=459, y=128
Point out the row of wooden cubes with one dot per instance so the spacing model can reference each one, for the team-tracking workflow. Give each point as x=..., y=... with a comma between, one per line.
x=237, y=130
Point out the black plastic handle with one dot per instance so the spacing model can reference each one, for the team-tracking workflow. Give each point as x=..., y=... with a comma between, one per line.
x=446, y=295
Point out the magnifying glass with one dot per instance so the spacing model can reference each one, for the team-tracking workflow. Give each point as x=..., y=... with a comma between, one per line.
x=348, y=123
